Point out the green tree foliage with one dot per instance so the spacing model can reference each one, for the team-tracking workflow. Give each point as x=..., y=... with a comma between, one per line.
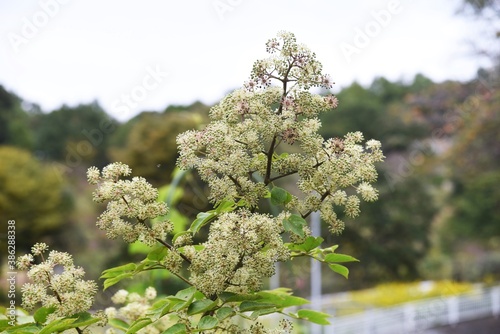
x=74, y=133
x=150, y=146
x=14, y=122
x=378, y=112
x=474, y=164
x=392, y=238
x=31, y=194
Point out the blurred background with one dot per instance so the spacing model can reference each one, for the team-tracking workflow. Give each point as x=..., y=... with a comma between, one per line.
x=86, y=83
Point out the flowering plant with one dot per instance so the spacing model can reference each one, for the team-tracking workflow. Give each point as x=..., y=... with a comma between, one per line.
x=258, y=135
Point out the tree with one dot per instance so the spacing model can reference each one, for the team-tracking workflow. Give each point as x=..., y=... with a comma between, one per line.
x=32, y=195
x=14, y=121
x=150, y=146
x=237, y=155
x=82, y=132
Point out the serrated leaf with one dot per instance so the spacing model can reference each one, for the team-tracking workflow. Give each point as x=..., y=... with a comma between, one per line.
x=224, y=312
x=309, y=244
x=334, y=257
x=280, y=196
x=201, y=306
x=316, y=317
x=339, y=269
x=207, y=322
x=138, y=325
x=176, y=329
x=295, y=224
x=41, y=314
x=251, y=305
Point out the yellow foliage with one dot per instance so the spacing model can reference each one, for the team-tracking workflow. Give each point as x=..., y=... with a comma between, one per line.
x=30, y=193
x=390, y=294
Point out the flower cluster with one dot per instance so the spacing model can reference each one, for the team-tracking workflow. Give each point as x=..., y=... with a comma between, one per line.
x=131, y=204
x=135, y=307
x=243, y=149
x=241, y=250
x=57, y=283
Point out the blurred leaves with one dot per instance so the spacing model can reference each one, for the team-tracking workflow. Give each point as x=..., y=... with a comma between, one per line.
x=32, y=194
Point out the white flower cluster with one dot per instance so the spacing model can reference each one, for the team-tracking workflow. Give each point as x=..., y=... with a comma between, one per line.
x=129, y=200
x=65, y=291
x=243, y=149
x=135, y=307
x=241, y=250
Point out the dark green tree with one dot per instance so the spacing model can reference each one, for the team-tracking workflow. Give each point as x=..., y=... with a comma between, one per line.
x=14, y=121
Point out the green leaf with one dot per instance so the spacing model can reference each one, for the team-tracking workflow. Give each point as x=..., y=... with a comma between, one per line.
x=78, y=320
x=339, y=269
x=251, y=305
x=176, y=329
x=186, y=294
x=224, y=312
x=330, y=249
x=158, y=253
x=309, y=244
x=20, y=329
x=84, y=319
x=224, y=206
x=207, y=322
x=112, y=272
x=314, y=316
x=280, y=196
x=201, y=306
x=41, y=314
x=229, y=297
x=182, y=299
x=295, y=224
x=264, y=311
x=281, y=299
x=334, y=257
x=201, y=220
x=138, y=325
x=119, y=324
x=159, y=309
x=112, y=281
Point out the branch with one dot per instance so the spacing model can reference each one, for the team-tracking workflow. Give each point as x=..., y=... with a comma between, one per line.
x=269, y=160
x=172, y=248
x=322, y=199
x=234, y=181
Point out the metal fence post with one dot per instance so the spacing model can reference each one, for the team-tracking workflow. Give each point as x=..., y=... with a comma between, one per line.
x=495, y=301
x=453, y=312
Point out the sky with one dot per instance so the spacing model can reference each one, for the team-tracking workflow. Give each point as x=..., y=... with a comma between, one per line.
x=133, y=56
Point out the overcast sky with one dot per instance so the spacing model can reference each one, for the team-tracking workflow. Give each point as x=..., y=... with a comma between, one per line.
x=145, y=55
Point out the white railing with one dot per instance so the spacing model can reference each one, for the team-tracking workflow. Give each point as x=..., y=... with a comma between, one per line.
x=414, y=317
